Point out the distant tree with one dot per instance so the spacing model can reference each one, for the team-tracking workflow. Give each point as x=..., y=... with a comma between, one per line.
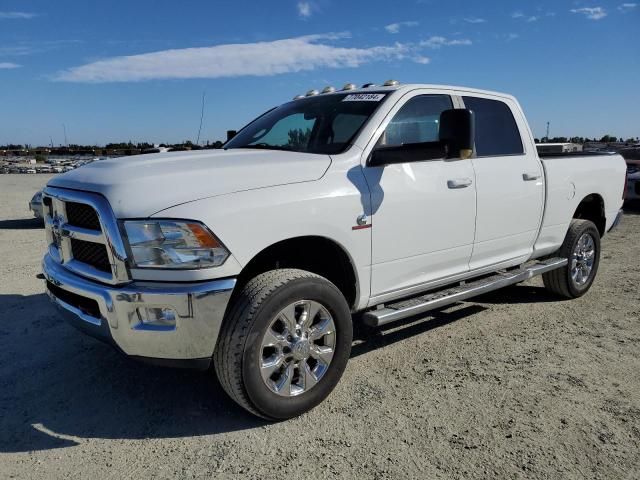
x=536, y=140
x=299, y=138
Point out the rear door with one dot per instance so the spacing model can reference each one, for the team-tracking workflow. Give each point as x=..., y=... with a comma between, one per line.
x=509, y=183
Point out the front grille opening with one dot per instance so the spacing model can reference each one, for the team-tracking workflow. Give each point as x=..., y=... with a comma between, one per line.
x=82, y=215
x=94, y=254
x=85, y=305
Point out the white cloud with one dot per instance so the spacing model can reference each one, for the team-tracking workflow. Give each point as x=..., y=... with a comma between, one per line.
x=395, y=27
x=305, y=9
x=592, y=13
x=233, y=60
x=474, y=20
x=8, y=65
x=421, y=59
x=438, y=42
x=526, y=18
x=16, y=50
x=626, y=7
x=16, y=15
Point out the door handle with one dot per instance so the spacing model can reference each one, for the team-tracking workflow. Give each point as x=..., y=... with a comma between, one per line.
x=529, y=177
x=459, y=183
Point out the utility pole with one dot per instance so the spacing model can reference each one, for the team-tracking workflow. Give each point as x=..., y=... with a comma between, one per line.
x=64, y=129
x=547, y=131
x=201, y=117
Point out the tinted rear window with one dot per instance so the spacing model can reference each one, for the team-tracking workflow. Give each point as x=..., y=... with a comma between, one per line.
x=496, y=129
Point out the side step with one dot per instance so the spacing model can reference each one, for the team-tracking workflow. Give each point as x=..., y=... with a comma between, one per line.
x=433, y=300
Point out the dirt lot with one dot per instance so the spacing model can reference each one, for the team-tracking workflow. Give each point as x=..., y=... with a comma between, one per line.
x=516, y=385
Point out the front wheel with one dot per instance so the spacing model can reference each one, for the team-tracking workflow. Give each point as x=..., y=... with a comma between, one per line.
x=284, y=343
x=582, y=249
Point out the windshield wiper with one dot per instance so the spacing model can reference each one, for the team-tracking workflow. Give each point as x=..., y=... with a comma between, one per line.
x=264, y=146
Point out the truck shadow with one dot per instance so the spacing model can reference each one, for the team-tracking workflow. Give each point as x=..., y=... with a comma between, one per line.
x=367, y=338
x=59, y=387
x=21, y=224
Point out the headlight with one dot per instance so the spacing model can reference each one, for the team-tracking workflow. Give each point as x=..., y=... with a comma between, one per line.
x=173, y=244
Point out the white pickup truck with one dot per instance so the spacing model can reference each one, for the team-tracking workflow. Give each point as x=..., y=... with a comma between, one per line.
x=384, y=201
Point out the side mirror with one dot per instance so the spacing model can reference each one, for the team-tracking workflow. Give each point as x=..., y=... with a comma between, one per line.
x=408, y=152
x=457, y=132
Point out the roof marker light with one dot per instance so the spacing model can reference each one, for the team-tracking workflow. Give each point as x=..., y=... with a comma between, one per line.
x=328, y=89
x=349, y=86
x=368, y=85
x=298, y=97
x=391, y=83
x=311, y=93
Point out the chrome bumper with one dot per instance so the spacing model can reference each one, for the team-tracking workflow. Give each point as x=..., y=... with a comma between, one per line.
x=199, y=309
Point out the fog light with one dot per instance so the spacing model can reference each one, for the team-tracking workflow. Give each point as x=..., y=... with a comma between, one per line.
x=156, y=318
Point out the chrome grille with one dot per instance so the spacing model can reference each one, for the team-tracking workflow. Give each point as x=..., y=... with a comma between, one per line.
x=94, y=254
x=83, y=236
x=82, y=215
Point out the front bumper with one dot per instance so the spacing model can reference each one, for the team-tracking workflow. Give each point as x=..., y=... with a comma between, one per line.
x=110, y=313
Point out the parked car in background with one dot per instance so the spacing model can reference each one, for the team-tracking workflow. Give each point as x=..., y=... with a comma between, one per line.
x=35, y=205
x=383, y=201
x=633, y=180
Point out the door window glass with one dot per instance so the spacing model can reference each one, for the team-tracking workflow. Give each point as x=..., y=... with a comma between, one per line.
x=417, y=121
x=496, y=130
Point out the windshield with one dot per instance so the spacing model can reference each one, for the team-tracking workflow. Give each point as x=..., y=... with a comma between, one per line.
x=321, y=124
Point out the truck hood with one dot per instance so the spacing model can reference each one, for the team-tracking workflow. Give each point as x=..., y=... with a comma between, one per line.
x=140, y=186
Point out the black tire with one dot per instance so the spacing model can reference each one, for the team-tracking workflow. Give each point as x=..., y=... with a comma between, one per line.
x=560, y=281
x=238, y=351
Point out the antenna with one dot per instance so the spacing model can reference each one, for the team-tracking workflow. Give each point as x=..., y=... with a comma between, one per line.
x=51, y=141
x=201, y=117
x=64, y=129
x=548, y=131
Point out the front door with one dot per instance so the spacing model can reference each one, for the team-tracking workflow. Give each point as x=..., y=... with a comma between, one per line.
x=423, y=212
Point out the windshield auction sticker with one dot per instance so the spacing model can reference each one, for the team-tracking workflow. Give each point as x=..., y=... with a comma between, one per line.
x=363, y=97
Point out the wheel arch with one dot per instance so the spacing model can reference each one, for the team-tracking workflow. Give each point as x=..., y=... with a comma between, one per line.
x=591, y=208
x=317, y=254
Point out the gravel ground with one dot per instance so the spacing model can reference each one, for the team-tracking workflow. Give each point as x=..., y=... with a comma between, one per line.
x=518, y=384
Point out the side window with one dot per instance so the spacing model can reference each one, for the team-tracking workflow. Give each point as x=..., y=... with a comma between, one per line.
x=417, y=121
x=496, y=129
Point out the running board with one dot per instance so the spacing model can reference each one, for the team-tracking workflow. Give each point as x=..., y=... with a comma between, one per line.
x=441, y=298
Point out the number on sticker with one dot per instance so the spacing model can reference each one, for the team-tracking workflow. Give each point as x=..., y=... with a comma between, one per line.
x=363, y=97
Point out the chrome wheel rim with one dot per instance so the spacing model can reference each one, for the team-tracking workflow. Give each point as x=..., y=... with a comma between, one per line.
x=582, y=259
x=297, y=348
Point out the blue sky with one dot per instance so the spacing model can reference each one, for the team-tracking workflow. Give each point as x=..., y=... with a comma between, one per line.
x=136, y=70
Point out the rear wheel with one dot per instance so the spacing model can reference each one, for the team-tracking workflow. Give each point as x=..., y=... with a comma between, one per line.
x=284, y=343
x=582, y=249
